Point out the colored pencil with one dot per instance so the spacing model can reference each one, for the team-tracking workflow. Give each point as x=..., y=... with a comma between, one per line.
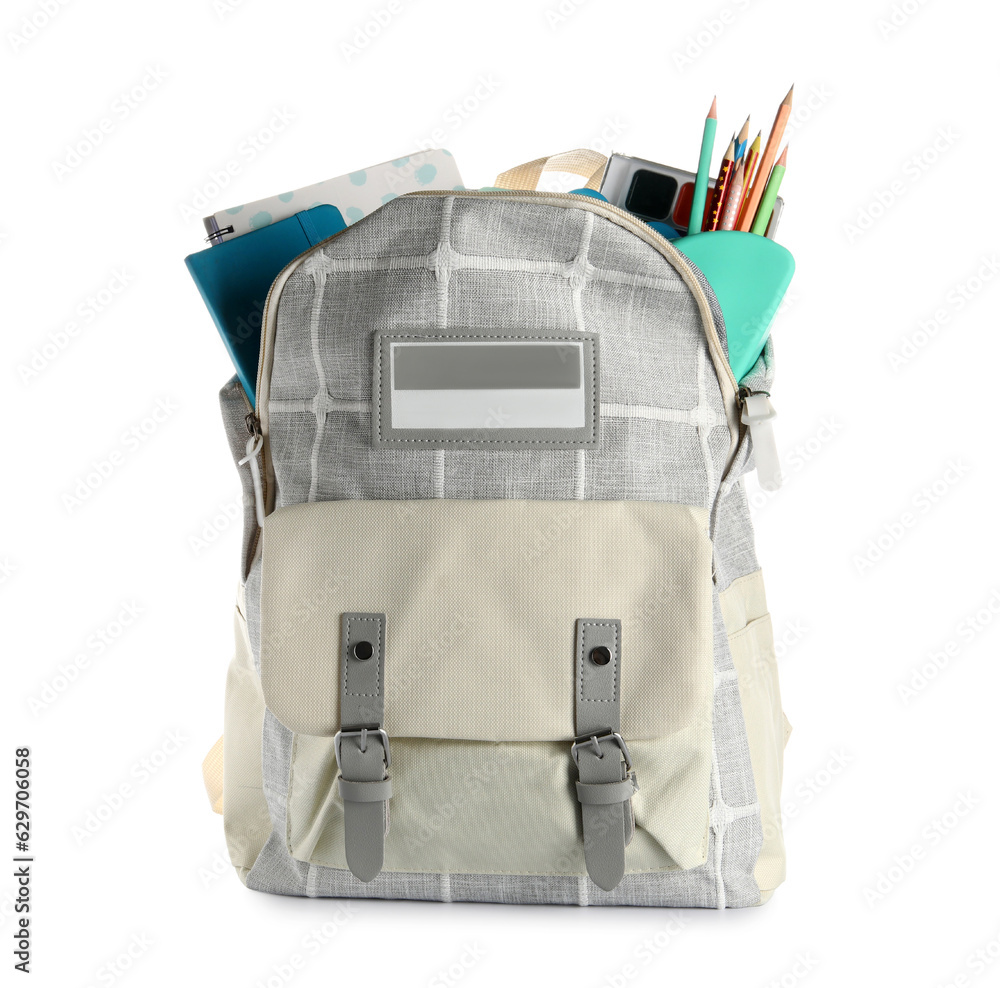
x=714, y=216
x=766, y=161
x=741, y=141
x=701, y=179
x=750, y=160
x=733, y=198
x=766, y=206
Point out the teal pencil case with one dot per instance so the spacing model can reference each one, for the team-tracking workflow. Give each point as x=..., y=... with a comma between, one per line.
x=749, y=275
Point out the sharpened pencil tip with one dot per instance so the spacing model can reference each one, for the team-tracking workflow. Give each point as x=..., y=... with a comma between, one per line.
x=783, y=159
x=788, y=99
x=713, y=113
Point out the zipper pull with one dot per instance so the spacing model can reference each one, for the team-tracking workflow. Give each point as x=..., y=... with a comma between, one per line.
x=254, y=445
x=757, y=415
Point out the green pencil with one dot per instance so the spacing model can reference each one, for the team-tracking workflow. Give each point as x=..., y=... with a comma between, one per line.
x=701, y=179
x=766, y=206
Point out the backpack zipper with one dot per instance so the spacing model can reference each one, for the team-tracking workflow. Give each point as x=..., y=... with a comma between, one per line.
x=259, y=480
x=756, y=413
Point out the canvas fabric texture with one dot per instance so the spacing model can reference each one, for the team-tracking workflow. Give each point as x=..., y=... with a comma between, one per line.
x=478, y=263
x=492, y=575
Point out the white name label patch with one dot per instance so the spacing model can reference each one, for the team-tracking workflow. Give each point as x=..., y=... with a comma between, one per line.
x=471, y=391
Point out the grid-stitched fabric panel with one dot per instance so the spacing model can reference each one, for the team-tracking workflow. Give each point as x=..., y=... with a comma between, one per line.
x=533, y=269
x=442, y=262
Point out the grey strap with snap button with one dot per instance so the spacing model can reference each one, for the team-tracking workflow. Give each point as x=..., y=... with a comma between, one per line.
x=606, y=779
x=361, y=745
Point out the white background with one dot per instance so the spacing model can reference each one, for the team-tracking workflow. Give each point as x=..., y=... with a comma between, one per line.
x=870, y=774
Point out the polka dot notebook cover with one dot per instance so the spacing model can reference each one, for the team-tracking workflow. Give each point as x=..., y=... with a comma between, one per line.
x=355, y=194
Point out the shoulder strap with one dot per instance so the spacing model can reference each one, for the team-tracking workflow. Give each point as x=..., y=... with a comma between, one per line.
x=588, y=165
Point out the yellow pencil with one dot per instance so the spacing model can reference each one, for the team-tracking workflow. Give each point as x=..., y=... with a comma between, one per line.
x=750, y=162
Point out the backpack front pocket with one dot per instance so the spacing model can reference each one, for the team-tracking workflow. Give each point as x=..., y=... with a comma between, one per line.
x=481, y=603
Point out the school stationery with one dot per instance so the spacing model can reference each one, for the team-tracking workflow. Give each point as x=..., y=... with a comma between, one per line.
x=714, y=218
x=752, y=155
x=741, y=141
x=749, y=275
x=766, y=161
x=659, y=194
x=234, y=278
x=733, y=198
x=770, y=194
x=355, y=194
x=704, y=164
x=653, y=192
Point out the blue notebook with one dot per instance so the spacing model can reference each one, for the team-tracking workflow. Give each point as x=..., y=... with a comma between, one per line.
x=234, y=277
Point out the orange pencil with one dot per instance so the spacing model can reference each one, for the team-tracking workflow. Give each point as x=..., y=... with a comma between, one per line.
x=713, y=217
x=733, y=198
x=750, y=162
x=766, y=161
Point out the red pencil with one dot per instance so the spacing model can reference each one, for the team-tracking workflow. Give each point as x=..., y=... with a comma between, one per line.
x=713, y=216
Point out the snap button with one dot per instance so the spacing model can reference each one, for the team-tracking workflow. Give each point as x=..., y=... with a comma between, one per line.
x=363, y=650
x=601, y=655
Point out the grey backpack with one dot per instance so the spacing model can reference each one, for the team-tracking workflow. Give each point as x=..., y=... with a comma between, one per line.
x=501, y=633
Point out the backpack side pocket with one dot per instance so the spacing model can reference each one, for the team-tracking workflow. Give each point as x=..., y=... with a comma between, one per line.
x=751, y=640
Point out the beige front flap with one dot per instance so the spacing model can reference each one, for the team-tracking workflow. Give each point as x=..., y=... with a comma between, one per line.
x=481, y=600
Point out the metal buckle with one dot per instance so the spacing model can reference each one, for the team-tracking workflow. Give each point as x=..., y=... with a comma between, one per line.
x=363, y=734
x=595, y=740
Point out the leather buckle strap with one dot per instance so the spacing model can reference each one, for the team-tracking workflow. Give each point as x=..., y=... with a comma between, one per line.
x=607, y=780
x=365, y=792
x=595, y=743
x=607, y=793
x=363, y=751
x=362, y=734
